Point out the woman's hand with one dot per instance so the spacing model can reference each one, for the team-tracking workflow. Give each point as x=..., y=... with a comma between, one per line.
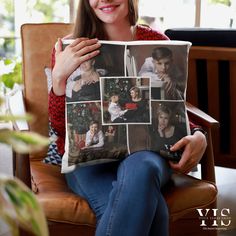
x=194, y=146
x=161, y=130
x=77, y=86
x=69, y=59
x=92, y=134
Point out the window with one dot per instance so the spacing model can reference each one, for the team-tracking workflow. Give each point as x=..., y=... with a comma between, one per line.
x=167, y=13
x=6, y=28
x=159, y=14
x=188, y=13
x=218, y=13
x=14, y=13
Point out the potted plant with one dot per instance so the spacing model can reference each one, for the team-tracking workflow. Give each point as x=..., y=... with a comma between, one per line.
x=18, y=205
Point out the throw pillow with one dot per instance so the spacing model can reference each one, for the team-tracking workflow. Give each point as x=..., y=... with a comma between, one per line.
x=53, y=156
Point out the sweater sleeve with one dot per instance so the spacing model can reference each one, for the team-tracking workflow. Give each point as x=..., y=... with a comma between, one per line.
x=144, y=32
x=56, y=112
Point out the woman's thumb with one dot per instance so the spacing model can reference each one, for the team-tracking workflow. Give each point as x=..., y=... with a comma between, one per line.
x=58, y=45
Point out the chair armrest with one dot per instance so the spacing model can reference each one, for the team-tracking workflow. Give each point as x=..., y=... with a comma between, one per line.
x=208, y=123
x=200, y=117
x=21, y=162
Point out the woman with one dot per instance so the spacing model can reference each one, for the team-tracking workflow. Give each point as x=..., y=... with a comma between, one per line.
x=137, y=107
x=86, y=86
x=133, y=185
x=165, y=133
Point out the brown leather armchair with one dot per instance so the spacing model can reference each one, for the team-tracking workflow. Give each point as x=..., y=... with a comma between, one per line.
x=67, y=213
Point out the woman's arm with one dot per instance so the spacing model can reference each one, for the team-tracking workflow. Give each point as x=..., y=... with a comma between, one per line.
x=69, y=59
x=64, y=62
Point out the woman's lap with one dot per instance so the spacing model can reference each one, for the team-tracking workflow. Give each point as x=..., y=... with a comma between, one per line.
x=94, y=183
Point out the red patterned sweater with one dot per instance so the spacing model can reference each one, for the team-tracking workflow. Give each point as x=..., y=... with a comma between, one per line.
x=57, y=103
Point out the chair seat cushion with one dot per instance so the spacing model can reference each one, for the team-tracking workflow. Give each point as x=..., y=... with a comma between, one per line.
x=60, y=204
x=183, y=194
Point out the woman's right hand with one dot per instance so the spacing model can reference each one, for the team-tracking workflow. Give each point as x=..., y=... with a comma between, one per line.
x=77, y=86
x=69, y=59
x=161, y=130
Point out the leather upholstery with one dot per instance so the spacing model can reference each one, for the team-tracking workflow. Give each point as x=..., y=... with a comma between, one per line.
x=60, y=204
x=52, y=192
x=66, y=212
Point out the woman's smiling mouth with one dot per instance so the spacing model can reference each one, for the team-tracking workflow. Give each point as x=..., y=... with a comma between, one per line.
x=108, y=9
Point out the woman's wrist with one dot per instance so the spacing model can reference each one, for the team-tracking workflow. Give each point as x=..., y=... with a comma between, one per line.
x=59, y=86
x=198, y=129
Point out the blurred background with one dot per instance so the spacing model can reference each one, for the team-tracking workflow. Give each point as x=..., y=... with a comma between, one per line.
x=159, y=14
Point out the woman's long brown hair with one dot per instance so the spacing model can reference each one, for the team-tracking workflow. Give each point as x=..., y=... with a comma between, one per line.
x=88, y=25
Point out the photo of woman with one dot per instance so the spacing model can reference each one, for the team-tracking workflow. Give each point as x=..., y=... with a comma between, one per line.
x=85, y=87
x=168, y=124
x=137, y=107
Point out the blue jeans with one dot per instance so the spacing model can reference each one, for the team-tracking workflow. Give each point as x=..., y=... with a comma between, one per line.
x=126, y=196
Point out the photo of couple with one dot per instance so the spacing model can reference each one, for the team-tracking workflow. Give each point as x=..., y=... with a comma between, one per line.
x=127, y=103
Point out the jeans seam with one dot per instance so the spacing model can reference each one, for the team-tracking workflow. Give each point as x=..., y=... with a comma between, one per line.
x=115, y=202
x=85, y=196
x=83, y=193
x=78, y=184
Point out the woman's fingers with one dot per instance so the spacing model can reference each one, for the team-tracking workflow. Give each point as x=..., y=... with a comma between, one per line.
x=87, y=46
x=83, y=49
x=89, y=55
x=194, y=147
x=77, y=41
x=58, y=46
x=69, y=59
x=83, y=46
x=185, y=164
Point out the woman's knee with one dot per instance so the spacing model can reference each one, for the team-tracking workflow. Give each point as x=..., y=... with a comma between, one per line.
x=147, y=163
x=148, y=160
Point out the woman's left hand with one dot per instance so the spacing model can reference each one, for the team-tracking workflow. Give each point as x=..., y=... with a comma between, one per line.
x=194, y=147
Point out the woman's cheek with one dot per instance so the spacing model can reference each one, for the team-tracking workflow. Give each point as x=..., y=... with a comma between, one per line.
x=93, y=3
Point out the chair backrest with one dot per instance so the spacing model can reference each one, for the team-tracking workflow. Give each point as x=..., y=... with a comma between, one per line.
x=212, y=70
x=38, y=41
x=212, y=83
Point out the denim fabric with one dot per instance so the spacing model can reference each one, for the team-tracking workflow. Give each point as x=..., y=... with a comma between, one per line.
x=126, y=196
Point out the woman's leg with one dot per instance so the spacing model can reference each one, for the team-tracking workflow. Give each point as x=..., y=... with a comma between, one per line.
x=135, y=205
x=160, y=224
x=94, y=183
